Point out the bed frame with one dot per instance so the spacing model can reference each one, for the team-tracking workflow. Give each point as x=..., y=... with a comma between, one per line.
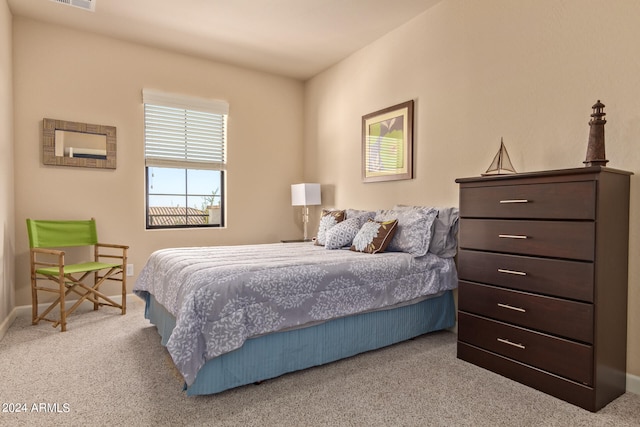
x=272, y=355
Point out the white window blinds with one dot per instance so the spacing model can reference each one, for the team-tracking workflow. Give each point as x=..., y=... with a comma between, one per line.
x=184, y=132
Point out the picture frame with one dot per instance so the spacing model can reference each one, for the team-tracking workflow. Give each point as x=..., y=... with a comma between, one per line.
x=387, y=144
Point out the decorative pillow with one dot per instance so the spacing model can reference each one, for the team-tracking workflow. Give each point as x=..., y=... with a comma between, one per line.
x=342, y=234
x=445, y=228
x=352, y=213
x=329, y=219
x=374, y=236
x=415, y=226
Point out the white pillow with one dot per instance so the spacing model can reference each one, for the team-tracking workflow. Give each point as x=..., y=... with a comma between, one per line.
x=342, y=234
x=328, y=220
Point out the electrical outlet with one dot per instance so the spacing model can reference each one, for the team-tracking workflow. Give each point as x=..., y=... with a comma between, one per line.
x=129, y=269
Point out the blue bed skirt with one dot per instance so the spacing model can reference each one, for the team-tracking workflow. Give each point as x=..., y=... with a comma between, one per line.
x=272, y=355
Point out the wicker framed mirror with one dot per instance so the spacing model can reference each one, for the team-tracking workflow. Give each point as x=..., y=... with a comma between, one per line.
x=86, y=145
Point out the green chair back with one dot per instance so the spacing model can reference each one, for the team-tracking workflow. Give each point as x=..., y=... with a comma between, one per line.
x=56, y=234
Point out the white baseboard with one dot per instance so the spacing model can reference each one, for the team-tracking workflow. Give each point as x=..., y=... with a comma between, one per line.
x=633, y=383
x=4, y=326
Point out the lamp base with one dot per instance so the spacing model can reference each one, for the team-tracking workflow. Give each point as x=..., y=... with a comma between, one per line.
x=305, y=221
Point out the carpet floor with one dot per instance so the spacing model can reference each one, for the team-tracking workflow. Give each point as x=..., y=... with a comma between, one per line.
x=109, y=369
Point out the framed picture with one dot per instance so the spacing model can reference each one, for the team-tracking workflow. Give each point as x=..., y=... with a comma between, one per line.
x=387, y=144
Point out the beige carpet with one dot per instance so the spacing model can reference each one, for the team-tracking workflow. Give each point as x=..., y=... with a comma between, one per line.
x=111, y=370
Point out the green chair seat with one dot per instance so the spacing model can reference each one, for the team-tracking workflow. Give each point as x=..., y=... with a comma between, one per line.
x=77, y=268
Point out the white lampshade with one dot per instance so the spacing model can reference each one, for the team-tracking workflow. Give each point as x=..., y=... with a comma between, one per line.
x=305, y=194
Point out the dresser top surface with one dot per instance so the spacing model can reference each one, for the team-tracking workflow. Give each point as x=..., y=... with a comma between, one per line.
x=591, y=170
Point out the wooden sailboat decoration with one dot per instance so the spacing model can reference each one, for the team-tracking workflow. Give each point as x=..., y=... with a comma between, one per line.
x=501, y=164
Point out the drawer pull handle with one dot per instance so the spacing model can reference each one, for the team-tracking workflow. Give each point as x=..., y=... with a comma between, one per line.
x=511, y=236
x=515, y=201
x=510, y=307
x=511, y=343
x=517, y=273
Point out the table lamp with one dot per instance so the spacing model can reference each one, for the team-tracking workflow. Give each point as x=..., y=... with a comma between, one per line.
x=305, y=195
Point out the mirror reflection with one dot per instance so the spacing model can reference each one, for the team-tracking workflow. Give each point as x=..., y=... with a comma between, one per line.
x=81, y=145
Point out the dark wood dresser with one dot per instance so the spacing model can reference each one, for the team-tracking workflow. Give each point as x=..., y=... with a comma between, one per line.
x=542, y=296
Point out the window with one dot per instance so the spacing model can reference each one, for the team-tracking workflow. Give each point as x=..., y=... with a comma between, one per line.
x=185, y=141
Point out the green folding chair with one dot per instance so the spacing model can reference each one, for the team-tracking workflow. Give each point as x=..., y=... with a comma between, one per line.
x=48, y=266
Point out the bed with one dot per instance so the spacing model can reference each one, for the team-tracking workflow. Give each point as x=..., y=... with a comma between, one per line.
x=236, y=315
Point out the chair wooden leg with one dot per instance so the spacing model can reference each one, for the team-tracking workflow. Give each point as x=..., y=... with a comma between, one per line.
x=96, y=305
x=34, y=302
x=34, y=291
x=124, y=289
x=63, y=308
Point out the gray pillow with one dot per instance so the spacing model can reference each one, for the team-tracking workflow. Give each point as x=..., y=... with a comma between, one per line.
x=415, y=226
x=444, y=242
x=352, y=213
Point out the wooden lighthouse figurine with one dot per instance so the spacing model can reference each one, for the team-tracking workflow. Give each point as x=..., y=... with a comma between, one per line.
x=595, y=147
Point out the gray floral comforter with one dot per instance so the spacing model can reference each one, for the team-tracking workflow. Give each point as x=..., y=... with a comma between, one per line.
x=221, y=296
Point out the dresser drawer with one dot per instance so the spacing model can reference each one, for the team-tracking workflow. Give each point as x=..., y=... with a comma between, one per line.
x=555, y=316
x=562, y=388
x=568, y=200
x=560, y=278
x=554, y=239
x=559, y=356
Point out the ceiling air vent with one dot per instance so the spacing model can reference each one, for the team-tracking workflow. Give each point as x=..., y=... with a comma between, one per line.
x=89, y=5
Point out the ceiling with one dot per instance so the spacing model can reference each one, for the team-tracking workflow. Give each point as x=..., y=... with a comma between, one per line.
x=294, y=38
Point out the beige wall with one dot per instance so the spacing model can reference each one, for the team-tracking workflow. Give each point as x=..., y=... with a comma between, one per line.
x=528, y=71
x=75, y=76
x=7, y=235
